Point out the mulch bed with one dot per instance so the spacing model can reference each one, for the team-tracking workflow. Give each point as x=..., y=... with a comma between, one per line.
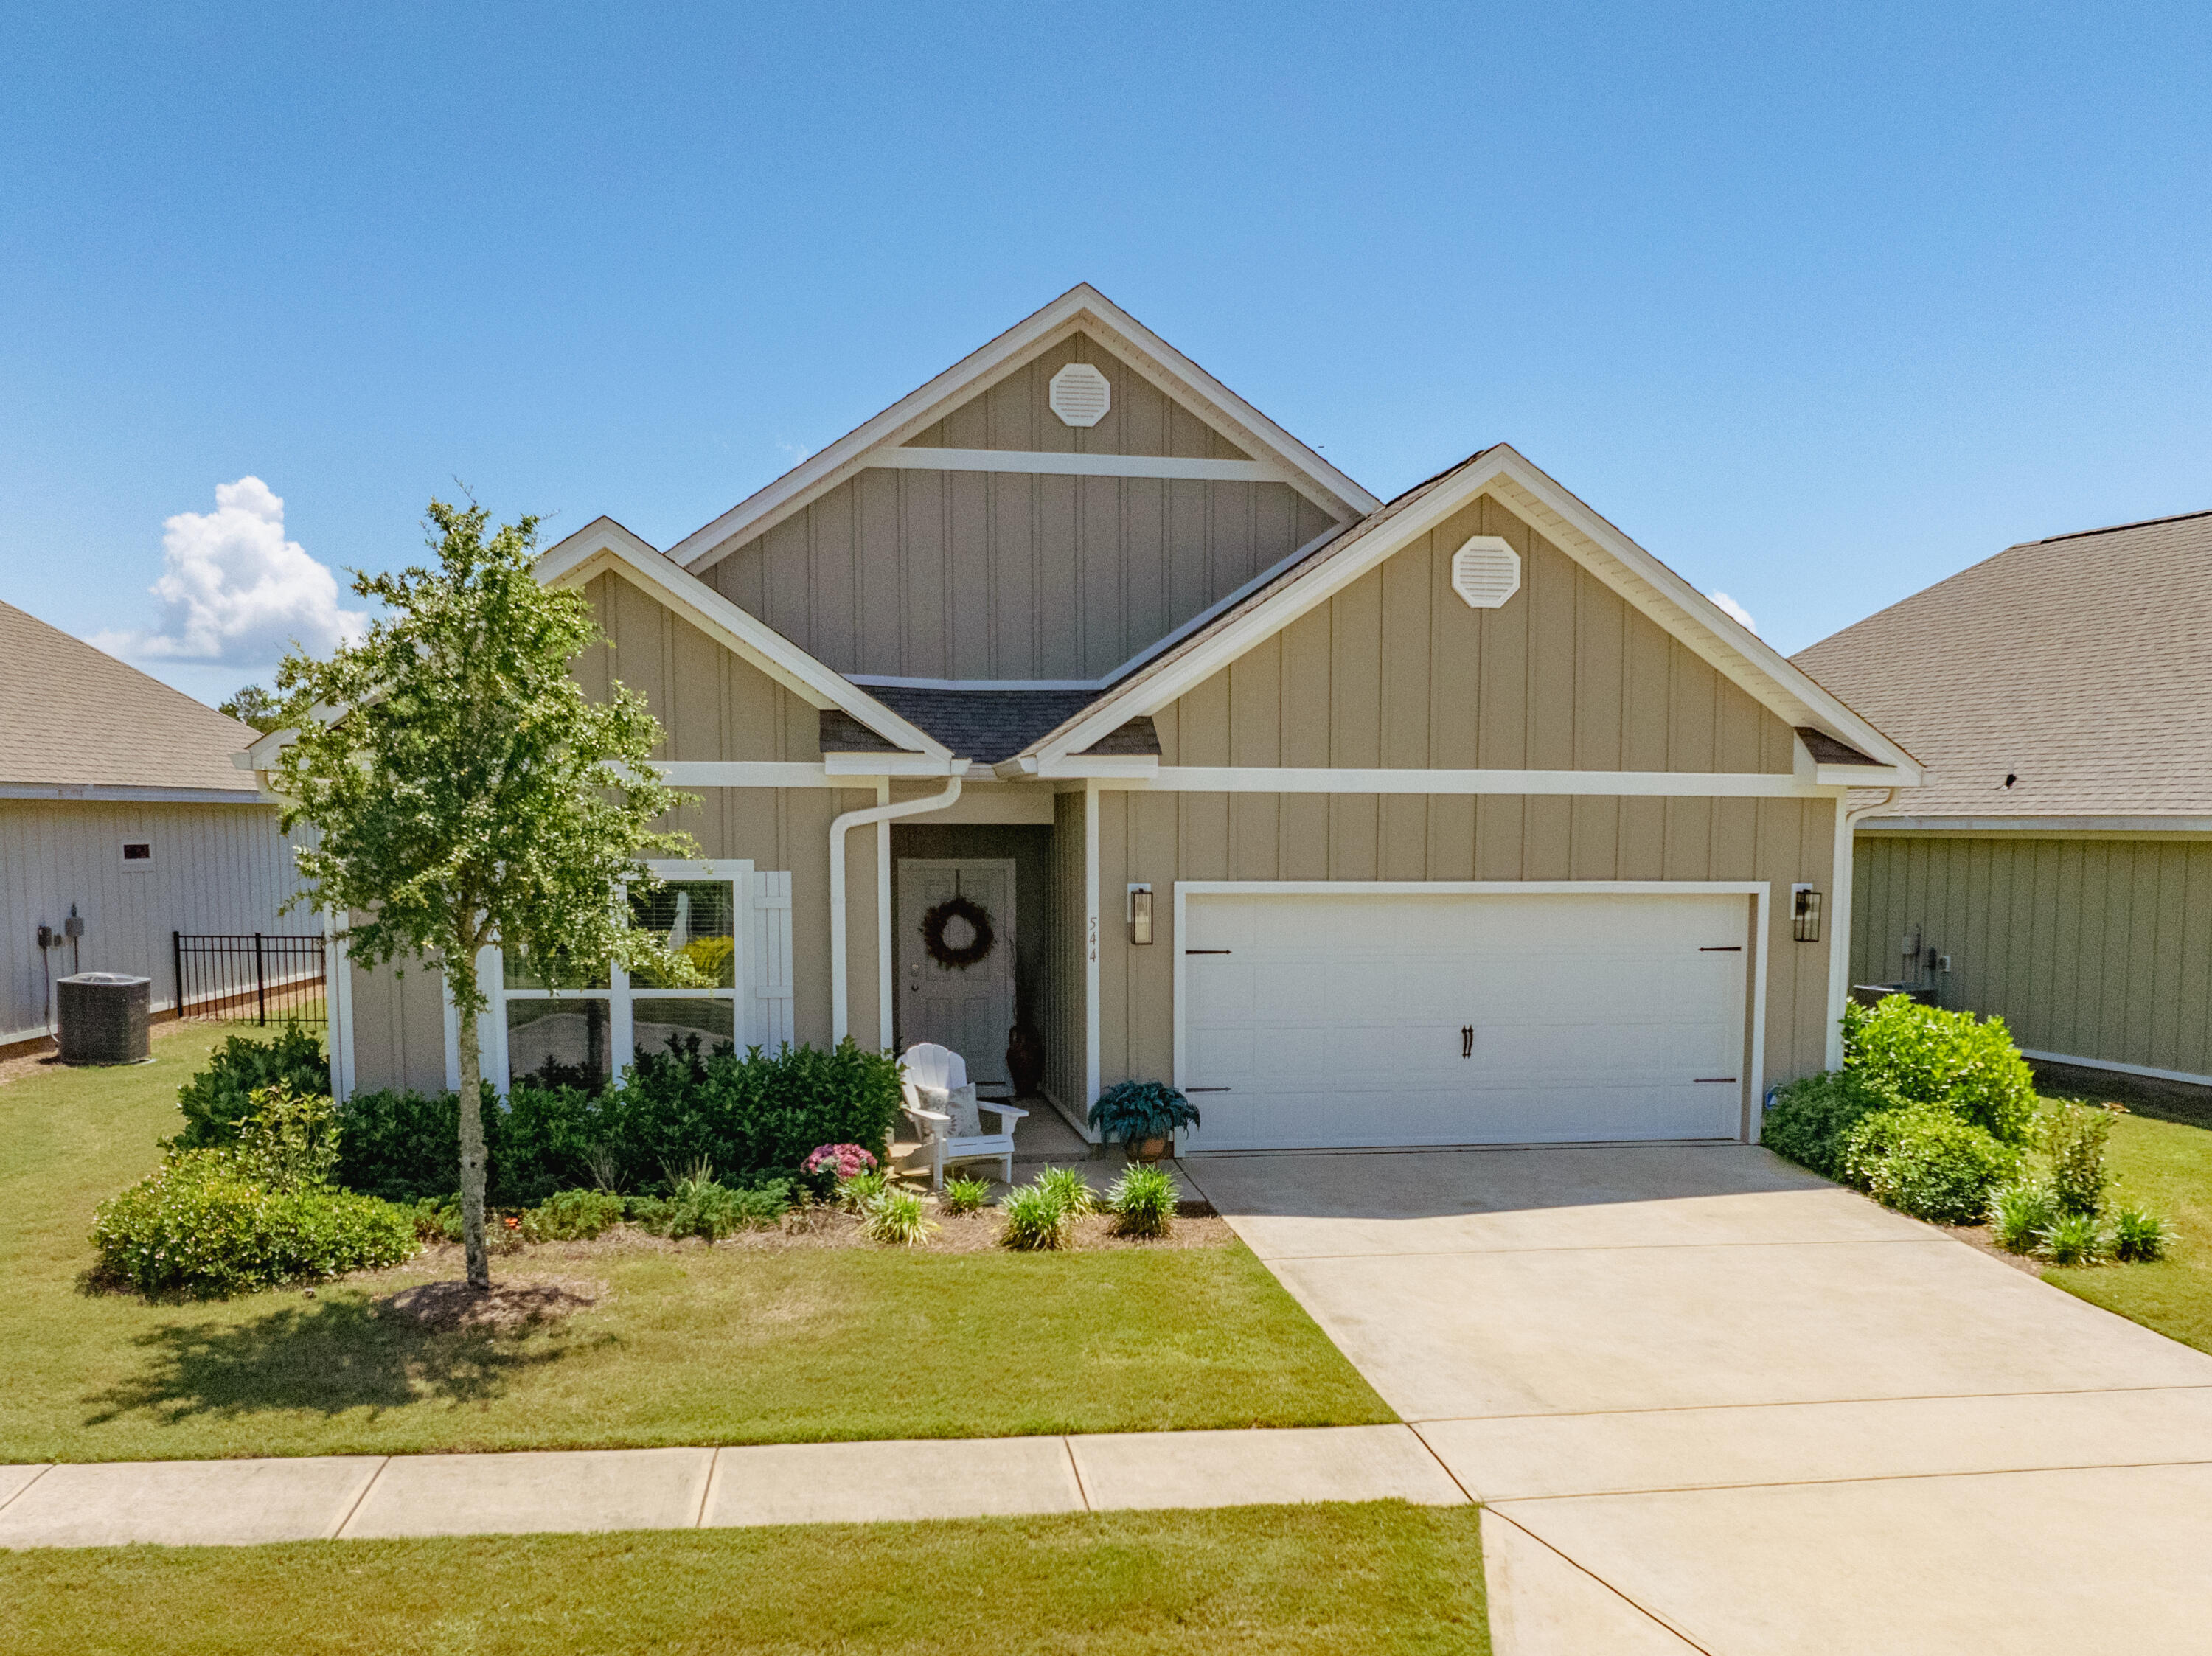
x=518, y=1302
x=1978, y=1236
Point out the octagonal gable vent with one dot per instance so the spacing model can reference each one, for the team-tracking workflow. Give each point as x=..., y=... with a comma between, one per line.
x=1486, y=571
x=1081, y=395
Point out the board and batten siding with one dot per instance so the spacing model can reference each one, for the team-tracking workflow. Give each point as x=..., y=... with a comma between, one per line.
x=1396, y=672
x=215, y=868
x=2095, y=949
x=1016, y=575
x=714, y=705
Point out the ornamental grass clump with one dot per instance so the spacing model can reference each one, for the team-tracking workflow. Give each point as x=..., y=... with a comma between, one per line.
x=2074, y=1239
x=895, y=1216
x=2021, y=1212
x=962, y=1196
x=855, y=1194
x=2139, y=1237
x=1143, y=1202
x=1033, y=1220
x=1070, y=1189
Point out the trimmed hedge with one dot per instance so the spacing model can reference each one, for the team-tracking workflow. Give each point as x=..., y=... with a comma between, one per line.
x=1930, y=1164
x=752, y=1119
x=1812, y=1118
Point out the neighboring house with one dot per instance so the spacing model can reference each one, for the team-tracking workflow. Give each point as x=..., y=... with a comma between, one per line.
x=2056, y=868
x=1072, y=689
x=119, y=803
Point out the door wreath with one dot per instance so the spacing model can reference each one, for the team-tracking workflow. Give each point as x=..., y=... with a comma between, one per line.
x=957, y=958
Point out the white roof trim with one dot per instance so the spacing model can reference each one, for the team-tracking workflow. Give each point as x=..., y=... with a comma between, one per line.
x=1725, y=644
x=605, y=544
x=1081, y=308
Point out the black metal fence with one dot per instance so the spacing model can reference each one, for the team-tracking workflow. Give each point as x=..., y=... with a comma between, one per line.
x=250, y=978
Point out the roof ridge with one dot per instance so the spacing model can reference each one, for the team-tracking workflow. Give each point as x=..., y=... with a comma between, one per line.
x=2114, y=528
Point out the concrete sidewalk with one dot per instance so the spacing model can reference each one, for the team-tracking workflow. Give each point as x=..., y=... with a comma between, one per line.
x=1713, y=1403
x=244, y=1503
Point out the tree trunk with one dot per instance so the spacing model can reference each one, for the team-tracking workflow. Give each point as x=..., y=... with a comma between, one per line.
x=472, y=1151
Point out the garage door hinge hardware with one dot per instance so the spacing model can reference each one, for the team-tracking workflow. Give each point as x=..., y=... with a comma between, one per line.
x=1721, y=949
x=1208, y=951
x=1703, y=1080
x=1206, y=1089
x=1466, y=1040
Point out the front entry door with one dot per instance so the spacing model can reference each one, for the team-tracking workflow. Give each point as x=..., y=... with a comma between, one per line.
x=969, y=1008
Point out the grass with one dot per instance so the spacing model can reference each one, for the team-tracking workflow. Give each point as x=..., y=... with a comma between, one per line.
x=696, y=1346
x=2167, y=1167
x=1382, y=1577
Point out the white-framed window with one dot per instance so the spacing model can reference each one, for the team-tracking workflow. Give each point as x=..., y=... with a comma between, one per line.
x=587, y=1035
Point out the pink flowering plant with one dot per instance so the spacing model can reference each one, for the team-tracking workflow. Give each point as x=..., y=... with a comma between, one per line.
x=847, y=1161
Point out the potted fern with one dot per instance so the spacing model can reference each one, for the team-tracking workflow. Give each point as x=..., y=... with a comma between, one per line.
x=1144, y=1115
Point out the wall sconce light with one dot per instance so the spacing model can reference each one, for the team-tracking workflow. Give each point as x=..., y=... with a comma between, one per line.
x=1140, y=914
x=1804, y=914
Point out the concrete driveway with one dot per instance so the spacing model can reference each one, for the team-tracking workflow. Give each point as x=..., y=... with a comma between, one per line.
x=1714, y=1403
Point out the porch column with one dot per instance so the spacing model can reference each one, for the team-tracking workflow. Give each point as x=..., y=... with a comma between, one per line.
x=1091, y=942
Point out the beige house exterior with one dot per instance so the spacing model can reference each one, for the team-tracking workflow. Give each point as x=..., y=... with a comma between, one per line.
x=2055, y=868
x=1456, y=819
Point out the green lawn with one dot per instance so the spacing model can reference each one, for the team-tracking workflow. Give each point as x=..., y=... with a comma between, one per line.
x=2168, y=1166
x=696, y=1346
x=1342, y=1579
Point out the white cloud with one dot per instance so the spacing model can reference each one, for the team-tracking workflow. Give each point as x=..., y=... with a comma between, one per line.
x=1731, y=607
x=235, y=591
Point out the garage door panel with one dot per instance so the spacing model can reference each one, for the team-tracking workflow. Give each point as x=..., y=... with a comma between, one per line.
x=1338, y=1022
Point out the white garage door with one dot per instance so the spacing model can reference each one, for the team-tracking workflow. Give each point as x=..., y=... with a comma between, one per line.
x=1374, y=1019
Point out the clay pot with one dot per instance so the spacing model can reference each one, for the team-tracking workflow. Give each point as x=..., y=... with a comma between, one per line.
x=1025, y=1060
x=1149, y=1150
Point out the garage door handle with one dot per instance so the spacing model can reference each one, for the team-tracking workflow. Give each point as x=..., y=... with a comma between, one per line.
x=1715, y=1080
x=1466, y=1040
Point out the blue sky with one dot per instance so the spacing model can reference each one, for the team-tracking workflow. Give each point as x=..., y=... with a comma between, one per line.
x=1820, y=304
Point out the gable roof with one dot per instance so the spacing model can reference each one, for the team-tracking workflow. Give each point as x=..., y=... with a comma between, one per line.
x=604, y=544
x=2075, y=665
x=1083, y=309
x=1724, y=643
x=74, y=718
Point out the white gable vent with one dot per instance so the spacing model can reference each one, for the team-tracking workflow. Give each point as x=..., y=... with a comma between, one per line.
x=1080, y=394
x=1486, y=571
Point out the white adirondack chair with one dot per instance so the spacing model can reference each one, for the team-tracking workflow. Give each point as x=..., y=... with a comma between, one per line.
x=928, y=1065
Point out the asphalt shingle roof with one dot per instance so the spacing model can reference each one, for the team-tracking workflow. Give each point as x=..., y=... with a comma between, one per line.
x=982, y=725
x=2079, y=666
x=72, y=716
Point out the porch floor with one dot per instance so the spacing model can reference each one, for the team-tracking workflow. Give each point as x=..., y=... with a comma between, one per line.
x=1044, y=1138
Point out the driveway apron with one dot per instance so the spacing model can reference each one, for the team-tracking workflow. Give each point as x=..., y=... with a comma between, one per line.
x=1714, y=1403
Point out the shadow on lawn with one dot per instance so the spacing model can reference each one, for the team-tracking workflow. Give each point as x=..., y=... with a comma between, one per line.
x=328, y=1357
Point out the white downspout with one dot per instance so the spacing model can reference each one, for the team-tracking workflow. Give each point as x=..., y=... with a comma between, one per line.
x=1839, y=921
x=840, y=998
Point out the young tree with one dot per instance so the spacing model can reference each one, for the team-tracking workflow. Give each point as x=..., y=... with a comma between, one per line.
x=467, y=792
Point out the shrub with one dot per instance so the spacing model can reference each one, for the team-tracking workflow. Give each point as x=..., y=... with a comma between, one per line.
x=1031, y=1220
x=2074, y=1137
x=1929, y=1163
x=896, y=1216
x=697, y=1206
x=2074, y=1238
x=217, y=1221
x=2021, y=1212
x=965, y=1196
x=2138, y=1237
x=1923, y=1055
x=221, y=1097
x=573, y=1215
x=1070, y=1189
x=1130, y=1111
x=1812, y=1118
x=841, y=1160
x=759, y=1114
x=1143, y=1202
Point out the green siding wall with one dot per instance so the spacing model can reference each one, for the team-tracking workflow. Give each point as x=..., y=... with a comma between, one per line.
x=2098, y=948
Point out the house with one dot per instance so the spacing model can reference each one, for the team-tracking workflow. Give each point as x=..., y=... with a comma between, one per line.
x=123, y=823
x=2056, y=867
x=1073, y=690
